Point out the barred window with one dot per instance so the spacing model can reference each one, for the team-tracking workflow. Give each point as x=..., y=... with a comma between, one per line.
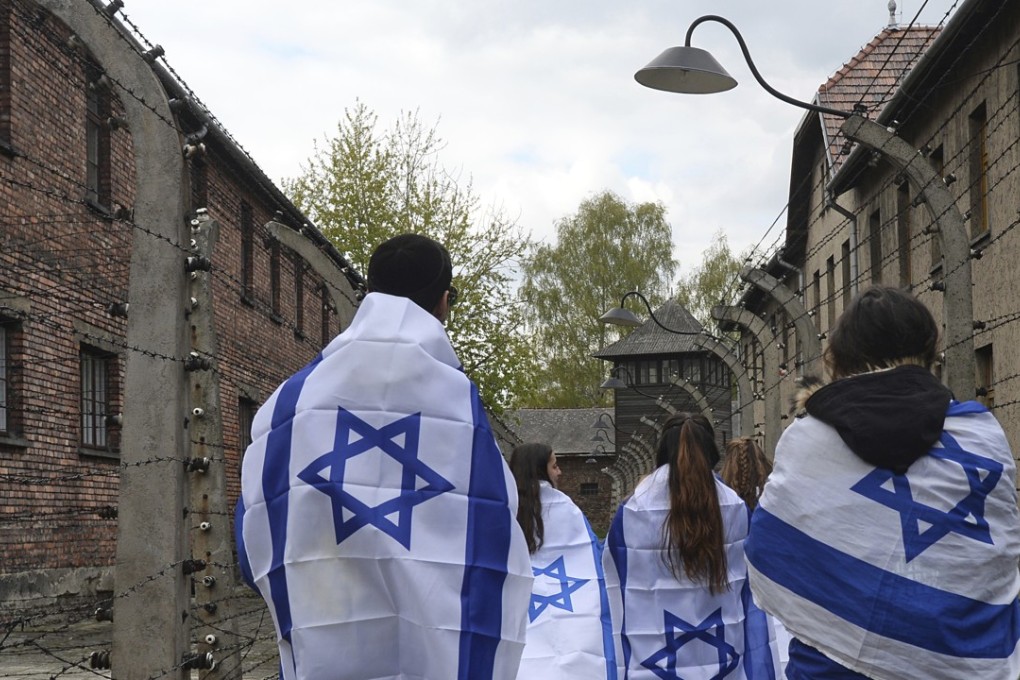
x=246, y=409
x=589, y=488
x=97, y=139
x=4, y=381
x=95, y=397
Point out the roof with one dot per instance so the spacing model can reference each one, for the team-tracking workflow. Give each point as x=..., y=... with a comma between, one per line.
x=966, y=25
x=651, y=339
x=871, y=78
x=566, y=430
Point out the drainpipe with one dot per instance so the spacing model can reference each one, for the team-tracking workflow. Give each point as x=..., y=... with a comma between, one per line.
x=831, y=202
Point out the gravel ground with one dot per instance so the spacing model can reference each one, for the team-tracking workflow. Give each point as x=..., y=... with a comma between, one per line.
x=59, y=646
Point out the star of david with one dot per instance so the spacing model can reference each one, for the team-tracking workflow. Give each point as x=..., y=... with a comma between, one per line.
x=680, y=633
x=326, y=473
x=966, y=518
x=561, y=600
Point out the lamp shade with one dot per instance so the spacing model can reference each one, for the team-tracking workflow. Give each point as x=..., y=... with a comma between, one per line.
x=618, y=316
x=689, y=70
x=613, y=383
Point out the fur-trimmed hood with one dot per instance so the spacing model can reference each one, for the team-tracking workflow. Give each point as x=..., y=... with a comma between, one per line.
x=888, y=418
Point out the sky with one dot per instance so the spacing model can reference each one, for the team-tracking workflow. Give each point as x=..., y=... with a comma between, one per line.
x=535, y=99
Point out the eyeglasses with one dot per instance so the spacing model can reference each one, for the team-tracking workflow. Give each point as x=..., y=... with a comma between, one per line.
x=451, y=298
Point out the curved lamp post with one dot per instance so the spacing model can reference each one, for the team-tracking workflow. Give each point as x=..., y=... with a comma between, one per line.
x=621, y=316
x=690, y=70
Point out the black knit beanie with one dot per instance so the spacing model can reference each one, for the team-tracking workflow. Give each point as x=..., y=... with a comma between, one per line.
x=411, y=266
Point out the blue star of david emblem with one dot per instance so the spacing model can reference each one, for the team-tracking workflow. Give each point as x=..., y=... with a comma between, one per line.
x=561, y=599
x=966, y=518
x=398, y=440
x=680, y=633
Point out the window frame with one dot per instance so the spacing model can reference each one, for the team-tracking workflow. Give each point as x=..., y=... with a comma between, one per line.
x=95, y=365
x=97, y=140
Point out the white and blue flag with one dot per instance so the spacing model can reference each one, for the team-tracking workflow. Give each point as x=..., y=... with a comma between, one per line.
x=675, y=629
x=570, y=636
x=377, y=515
x=895, y=576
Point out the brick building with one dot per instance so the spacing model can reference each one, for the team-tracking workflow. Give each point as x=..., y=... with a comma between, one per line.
x=856, y=218
x=68, y=178
x=582, y=439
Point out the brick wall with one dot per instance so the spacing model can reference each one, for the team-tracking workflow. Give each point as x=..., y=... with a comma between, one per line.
x=63, y=262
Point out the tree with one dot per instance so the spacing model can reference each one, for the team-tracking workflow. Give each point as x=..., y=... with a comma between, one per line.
x=365, y=186
x=608, y=247
x=714, y=282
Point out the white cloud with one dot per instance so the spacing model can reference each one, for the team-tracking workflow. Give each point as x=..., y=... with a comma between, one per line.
x=535, y=99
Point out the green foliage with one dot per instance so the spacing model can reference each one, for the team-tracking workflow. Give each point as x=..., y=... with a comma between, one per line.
x=607, y=248
x=714, y=282
x=363, y=186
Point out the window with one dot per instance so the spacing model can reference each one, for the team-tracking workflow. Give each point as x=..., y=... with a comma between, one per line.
x=875, y=245
x=903, y=232
x=830, y=293
x=247, y=253
x=299, y=296
x=983, y=364
x=5, y=76
x=327, y=313
x=4, y=381
x=274, y=280
x=978, y=172
x=816, y=292
x=97, y=138
x=847, y=283
x=96, y=369
x=938, y=163
x=589, y=488
x=246, y=409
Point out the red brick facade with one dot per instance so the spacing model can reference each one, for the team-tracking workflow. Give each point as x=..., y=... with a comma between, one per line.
x=64, y=261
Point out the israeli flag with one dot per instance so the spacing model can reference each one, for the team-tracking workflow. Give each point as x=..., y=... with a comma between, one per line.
x=377, y=515
x=675, y=629
x=895, y=576
x=570, y=636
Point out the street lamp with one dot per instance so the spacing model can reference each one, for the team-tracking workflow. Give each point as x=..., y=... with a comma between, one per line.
x=621, y=316
x=690, y=70
x=694, y=71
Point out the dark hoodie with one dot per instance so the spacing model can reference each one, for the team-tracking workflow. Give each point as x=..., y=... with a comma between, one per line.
x=888, y=418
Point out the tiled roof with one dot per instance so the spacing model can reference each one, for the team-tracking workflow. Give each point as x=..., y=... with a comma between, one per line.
x=871, y=78
x=650, y=339
x=566, y=430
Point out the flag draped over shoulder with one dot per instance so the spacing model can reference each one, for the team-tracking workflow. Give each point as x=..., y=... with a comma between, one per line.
x=377, y=516
x=569, y=631
x=895, y=575
x=673, y=629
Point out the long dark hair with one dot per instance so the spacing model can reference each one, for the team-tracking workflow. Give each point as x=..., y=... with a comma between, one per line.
x=745, y=469
x=529, y=465
x=692, y=534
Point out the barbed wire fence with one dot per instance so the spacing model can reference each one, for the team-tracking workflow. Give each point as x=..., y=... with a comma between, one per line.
x=64, y=258
x=68, y=270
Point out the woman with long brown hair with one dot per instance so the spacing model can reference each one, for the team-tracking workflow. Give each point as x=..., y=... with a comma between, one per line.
x=569, y=634
x=675, y=570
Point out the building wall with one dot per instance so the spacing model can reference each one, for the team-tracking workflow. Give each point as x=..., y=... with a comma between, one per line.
x=63, y=262
x=895, y=245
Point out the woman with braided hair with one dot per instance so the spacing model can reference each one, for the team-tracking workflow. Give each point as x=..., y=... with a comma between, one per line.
x=675, y=573
x=745, y=469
